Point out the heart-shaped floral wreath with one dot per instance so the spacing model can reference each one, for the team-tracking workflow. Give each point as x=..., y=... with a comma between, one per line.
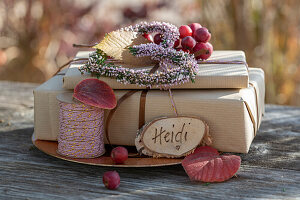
x=174, y=67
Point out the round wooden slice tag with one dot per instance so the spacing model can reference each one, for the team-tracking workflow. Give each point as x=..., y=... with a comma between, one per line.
x=171, y=137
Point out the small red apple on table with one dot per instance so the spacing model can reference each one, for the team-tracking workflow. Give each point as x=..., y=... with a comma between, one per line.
x=111, y=180
x=119, y=155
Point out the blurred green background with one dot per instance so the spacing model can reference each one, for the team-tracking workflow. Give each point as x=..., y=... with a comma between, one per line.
x=36, y=36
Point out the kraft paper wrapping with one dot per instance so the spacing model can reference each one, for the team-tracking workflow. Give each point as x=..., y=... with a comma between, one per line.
x=46, y=108
x=233, y=115
x=209, y=75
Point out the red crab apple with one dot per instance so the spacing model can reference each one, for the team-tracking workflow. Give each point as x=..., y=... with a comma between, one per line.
x=119, y=155
x=148, y=37
x=111, y=180
x=195, y=26
x=185, y=31
x=177, y=43
x=188, y=43
x=157, y=39
x=202, y=35
x=206, y=46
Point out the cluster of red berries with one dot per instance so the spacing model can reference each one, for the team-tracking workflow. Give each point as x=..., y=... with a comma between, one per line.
x=111, y=179
x=193, y=38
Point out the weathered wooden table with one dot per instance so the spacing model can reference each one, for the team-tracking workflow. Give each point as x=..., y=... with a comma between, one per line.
x=271, y=170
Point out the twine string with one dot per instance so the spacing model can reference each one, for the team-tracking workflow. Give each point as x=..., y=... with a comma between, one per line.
x=69, y=62
x=235, y=62
x=81, y=131
x=173, y=102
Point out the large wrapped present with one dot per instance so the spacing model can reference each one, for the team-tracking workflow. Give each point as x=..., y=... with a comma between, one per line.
x=230, y=75
x=233, y=115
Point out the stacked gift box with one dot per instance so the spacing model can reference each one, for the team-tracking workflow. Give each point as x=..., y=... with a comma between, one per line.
x=228, y=97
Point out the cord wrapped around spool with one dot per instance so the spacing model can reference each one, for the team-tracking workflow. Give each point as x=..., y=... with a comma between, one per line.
x=81, y=128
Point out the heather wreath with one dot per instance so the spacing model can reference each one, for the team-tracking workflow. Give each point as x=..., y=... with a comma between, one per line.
x=175, y=67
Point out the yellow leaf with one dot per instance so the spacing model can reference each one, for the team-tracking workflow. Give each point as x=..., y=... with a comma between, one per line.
x=115, y=44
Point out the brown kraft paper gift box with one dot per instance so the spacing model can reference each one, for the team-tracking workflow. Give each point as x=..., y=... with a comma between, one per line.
x=209, y=75
x=233, y=115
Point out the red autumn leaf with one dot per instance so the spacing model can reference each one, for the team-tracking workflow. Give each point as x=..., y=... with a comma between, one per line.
x=95, y=93
x=206, y=151
x=206, y=165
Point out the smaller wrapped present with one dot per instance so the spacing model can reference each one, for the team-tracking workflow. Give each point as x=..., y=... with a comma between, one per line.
x=209, y=75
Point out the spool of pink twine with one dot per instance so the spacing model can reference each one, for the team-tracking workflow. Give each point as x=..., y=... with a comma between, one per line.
x=81, y=129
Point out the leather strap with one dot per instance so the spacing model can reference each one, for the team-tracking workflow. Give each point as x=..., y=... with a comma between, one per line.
x=111, y=112
x=142, y=108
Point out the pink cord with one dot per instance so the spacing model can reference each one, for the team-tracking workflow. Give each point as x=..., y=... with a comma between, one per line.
x=81, y=130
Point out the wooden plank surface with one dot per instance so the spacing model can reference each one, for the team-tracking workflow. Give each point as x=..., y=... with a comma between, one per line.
x=269, y=171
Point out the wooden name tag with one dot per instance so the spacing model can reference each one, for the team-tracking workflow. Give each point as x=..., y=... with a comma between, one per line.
x=171, y=136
